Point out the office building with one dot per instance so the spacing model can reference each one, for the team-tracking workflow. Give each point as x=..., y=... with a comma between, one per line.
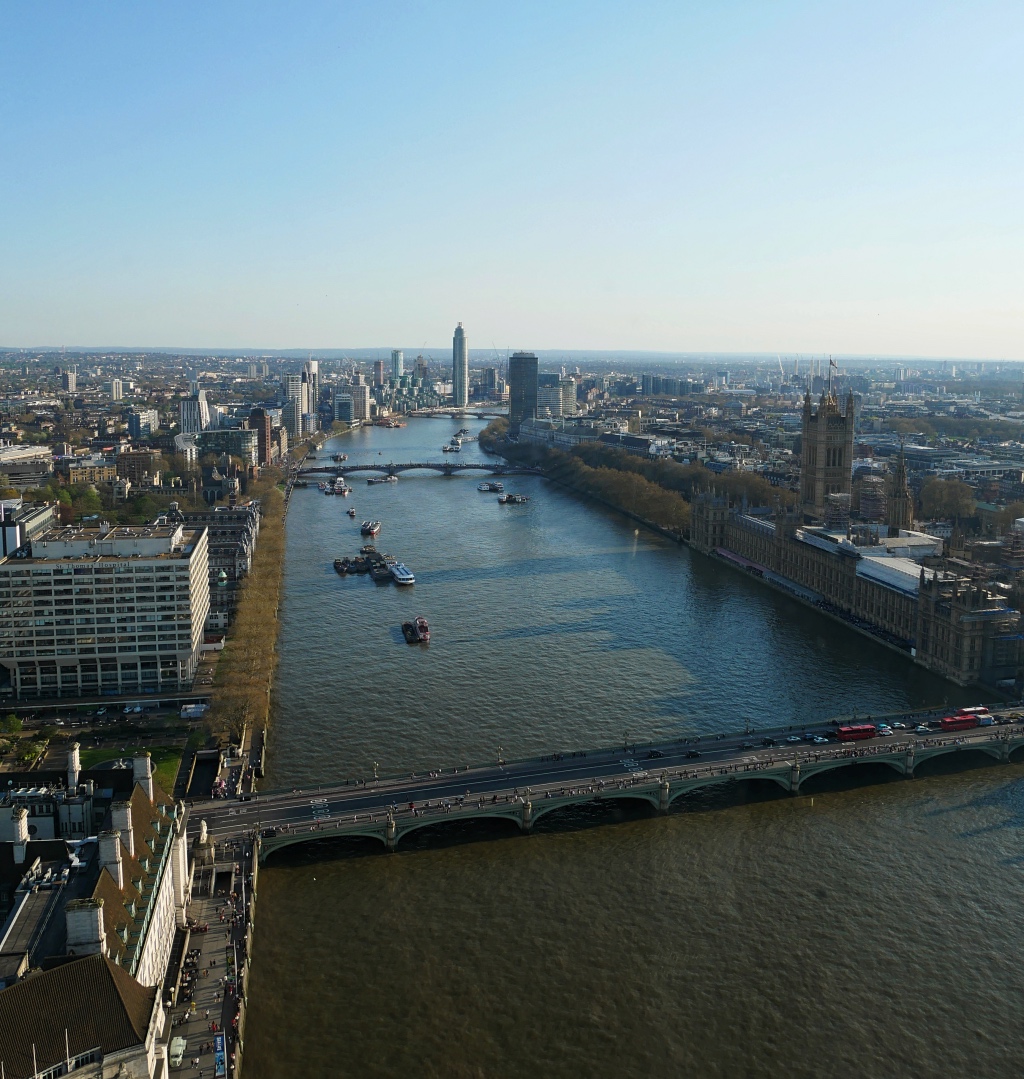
x=291, y=418
x=522, y=390
x=260, y=422
x=343, y=407
x=312, y=372
x=360, y=402
x=549, y=403
x=143, y=422
x=104, y=610
x=231, y=535
x=239, y=442
x=489, y=383
x=69, y=380
x=568, y=388
x=378, y=372
x=115, y=389
x=397, y=364
x=139, y=466
x=460, y=368
x=195, y=412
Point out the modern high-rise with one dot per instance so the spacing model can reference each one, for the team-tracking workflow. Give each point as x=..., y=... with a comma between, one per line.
x=69, y=380
x=568, y=388
x=460, y=368
x=522, y=389
x=104, y=610
x=259, y=421
x=195, y=413
x=143, y=422
x=397, y=364
x=360, y=402
x=549, y=403
x=378, y=372
x=343, y=407
x=312, y=370
x=116, y=389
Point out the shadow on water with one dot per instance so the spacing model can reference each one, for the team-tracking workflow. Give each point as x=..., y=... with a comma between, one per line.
x=851, y=777
x=729, y=795
x=330, y=849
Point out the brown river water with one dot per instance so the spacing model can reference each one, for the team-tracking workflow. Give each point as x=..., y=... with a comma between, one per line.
x=867, y=928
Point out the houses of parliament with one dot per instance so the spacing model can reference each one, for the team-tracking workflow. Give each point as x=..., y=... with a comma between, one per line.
x=888, y=582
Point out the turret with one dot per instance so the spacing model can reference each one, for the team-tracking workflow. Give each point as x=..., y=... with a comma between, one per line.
x=110, y=855
x=142, y=773
x=84, y=922
x=121, y=819
x=74, y=767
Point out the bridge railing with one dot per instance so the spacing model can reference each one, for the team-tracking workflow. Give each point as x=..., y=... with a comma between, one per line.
x=785, y=753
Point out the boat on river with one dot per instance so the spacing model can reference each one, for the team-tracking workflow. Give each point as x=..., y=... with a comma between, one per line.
x=402, y=574
x=370, y=528
x=417, y=631
x=351, y=511
x=513, y=500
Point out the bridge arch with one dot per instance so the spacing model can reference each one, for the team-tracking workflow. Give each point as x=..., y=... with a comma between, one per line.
x=967, y=751
x=449, y=822
x=681, y=788
x=275, y=844
x=827, y=767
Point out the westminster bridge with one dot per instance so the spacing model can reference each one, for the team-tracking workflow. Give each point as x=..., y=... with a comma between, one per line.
x=386, y=809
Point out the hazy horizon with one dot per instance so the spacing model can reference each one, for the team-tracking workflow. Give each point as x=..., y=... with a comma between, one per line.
x=794, y=177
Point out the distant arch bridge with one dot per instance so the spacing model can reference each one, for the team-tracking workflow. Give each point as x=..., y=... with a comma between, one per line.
x=446, y=468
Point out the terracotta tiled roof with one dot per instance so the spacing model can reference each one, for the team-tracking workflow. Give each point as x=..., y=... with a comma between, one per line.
x=93, y=999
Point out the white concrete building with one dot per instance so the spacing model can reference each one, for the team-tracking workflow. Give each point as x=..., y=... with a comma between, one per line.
x=104, y=610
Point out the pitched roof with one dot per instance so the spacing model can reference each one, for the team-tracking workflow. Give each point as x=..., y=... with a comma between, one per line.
x=98, y=1003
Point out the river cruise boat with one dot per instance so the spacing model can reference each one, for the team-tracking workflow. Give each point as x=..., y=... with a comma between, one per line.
x=402, y=574
x=351, y=511
x=514, y=500
x=491, y=487
x=391, y=479
x=370, y=528
x=339, y=457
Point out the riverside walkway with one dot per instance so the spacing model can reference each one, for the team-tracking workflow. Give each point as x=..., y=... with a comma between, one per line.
x=387, y=808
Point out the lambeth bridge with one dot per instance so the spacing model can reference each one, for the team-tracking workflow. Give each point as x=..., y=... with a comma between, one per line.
x=387, y=809
x=447, y=468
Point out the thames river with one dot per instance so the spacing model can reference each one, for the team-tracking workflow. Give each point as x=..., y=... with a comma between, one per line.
x=860, y=930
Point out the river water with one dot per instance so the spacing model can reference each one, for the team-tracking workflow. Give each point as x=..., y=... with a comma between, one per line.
x=860, y=930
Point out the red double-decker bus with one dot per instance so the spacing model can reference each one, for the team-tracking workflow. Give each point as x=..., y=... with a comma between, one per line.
x=958, y=723
x=855, y=731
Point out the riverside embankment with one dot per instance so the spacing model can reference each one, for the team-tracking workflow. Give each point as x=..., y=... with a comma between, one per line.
x=709, y=943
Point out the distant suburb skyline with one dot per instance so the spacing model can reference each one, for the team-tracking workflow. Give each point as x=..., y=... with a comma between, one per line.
x=682, y=178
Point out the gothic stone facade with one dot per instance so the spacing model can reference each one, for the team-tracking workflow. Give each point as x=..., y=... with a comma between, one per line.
x=954, y=628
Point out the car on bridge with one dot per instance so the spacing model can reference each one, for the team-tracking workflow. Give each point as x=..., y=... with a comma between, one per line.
x=691, y=753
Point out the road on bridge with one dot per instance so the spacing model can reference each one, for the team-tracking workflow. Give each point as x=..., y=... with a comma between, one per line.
x=739, y=755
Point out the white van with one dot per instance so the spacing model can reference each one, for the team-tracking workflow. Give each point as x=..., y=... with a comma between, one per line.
x=177, y=1052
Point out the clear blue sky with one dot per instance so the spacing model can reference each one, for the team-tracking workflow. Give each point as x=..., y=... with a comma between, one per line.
x=842, y=177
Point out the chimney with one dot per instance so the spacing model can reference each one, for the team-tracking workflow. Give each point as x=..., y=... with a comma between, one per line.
x=110, y=855
x=19, y=818
x=85, y=932
x=74, y=767
x=121, y=819
x=142, y=772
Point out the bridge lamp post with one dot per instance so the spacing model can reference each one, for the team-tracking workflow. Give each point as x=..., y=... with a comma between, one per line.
x=499, y=757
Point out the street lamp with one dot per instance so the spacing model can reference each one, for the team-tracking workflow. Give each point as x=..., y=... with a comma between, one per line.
x=374, y=769
x=500, y=761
